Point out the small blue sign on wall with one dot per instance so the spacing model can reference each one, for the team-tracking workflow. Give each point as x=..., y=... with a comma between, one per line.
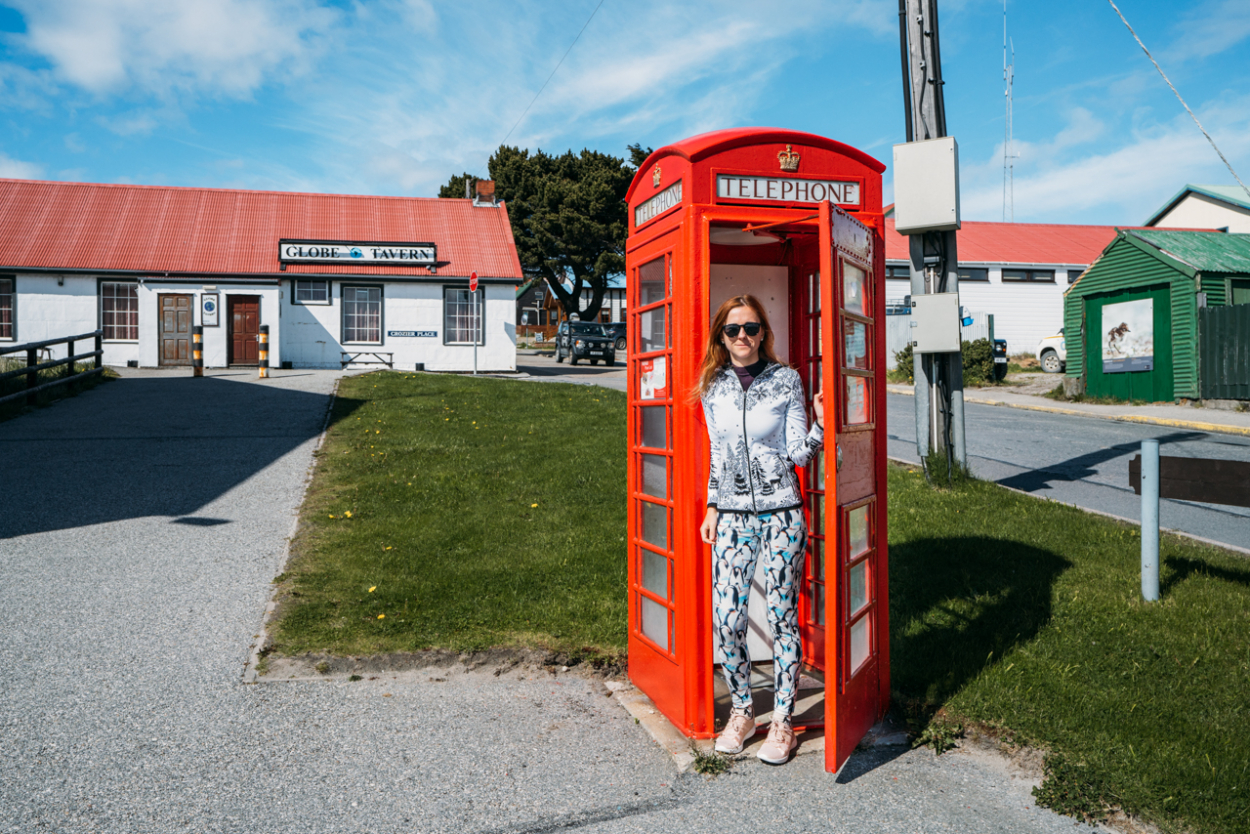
x=418, y=333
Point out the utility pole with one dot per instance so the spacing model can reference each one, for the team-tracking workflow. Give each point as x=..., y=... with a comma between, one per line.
x=934, y=256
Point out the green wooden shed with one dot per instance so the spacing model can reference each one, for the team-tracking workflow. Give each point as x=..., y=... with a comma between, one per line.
x=1141, y=309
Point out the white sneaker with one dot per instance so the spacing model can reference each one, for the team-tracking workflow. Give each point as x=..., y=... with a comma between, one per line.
x=780, y=744
x=741, y=727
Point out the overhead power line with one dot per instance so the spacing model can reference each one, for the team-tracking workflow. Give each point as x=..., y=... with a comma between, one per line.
x=1178, y=97
x=553, y=72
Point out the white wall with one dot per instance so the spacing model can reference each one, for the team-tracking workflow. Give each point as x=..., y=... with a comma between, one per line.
x=1024, y=312
x=307, y=336
x=312, y=333
x=216, y=339
x=1197, y=211
x=48, y=310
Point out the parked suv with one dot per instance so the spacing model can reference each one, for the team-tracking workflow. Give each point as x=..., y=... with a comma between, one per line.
x=1053, y=353
x=616, y=330
x=584, y=340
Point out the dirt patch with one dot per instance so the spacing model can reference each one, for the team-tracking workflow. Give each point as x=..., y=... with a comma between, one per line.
x=500, y=660
x=1033, y=383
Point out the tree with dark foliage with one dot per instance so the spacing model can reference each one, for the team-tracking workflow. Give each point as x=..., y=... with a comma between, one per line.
x=568, y=216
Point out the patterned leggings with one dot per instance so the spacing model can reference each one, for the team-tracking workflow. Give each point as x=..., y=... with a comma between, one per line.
x=739, y=538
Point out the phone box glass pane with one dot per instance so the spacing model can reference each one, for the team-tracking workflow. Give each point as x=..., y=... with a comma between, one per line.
x=854, y=286
x=653, y=378
x=655, y=524
x=654, y=427
x=855, y=344
x=857, y=522
x=818, y=559
x=860, y=644
x=652, y=330
x=818, y=514
x=859, y=586
x=818, y=603
x=857, y=401
x=655, y=622
x=655, y=475
x=651, y=282
x=654, y=573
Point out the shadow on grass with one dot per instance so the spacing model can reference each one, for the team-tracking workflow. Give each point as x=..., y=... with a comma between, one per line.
x=1177, y=569
x=957, y=605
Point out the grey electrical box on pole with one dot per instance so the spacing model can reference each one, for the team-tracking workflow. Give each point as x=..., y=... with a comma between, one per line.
x=926, y=190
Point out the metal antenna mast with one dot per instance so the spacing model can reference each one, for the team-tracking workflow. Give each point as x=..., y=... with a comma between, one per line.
x=934, y=257
x=1009, y=163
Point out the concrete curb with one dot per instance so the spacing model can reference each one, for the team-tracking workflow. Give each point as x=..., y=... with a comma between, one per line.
x=1195, y=425
x=250, y=675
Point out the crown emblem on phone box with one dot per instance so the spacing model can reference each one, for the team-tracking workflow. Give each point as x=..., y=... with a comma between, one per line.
x=789, y=159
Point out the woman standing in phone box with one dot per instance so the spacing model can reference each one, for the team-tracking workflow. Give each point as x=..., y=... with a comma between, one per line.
x=757, y=429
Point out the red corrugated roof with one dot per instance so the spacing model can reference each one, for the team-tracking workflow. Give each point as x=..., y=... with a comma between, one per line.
x=147, y=228
x=1016, y=243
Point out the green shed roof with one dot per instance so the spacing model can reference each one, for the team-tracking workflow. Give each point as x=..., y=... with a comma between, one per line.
x=1200, y=251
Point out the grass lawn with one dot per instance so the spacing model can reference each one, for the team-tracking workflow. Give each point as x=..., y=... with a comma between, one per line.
x=1027, y=616
x=1006, y=610
x=463, y=513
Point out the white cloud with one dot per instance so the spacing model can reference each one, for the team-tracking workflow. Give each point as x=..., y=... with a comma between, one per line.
x=1062, y=181
x=16, y=169
x=1210, y=29
x=161, y=47
x=637, y=70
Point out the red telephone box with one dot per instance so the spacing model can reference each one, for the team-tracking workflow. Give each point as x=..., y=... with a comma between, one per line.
x=794, y=219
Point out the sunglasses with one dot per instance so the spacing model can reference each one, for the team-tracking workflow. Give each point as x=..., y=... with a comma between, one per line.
x=752, y=328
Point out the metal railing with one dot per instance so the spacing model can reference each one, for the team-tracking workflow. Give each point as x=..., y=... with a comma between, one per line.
x=34, y=366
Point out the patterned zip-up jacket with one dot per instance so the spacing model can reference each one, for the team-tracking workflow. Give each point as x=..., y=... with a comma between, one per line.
x=757, y=437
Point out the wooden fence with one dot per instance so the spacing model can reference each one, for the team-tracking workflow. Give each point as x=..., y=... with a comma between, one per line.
x=34, y=366
x=1224, y=352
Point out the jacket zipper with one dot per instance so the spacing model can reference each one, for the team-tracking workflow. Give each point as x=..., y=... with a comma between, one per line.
x=746, y=444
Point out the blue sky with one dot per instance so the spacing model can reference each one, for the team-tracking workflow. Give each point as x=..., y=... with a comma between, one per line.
x=394, y=96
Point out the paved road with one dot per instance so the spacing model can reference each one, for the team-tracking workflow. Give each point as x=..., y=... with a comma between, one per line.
x=1082, y=460
x=143, y=523
x=545, y=368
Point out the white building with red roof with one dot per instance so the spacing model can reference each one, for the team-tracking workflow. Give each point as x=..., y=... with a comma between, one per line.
x=1016, y=272
x=384, y=279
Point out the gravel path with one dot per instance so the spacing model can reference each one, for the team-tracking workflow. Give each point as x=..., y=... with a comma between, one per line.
x=143, y=522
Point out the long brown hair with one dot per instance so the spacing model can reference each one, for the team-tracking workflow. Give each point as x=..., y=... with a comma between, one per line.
x=716, y=356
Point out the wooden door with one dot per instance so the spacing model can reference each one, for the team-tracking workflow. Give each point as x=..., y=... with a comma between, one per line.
x=244, y=315
x=856, y=604
x=175, y=330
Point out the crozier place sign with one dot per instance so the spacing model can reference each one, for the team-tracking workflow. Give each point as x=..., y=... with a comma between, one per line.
x=357, y=253
x=786, y=190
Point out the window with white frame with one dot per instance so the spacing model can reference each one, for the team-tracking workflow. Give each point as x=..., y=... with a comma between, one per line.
x=119, y=311
x=362, y=315
x=8, y=308
x=311, y=292
x=462, y=316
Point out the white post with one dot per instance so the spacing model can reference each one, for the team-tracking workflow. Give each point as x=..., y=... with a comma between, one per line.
x=1150, y=520
x=478, y=315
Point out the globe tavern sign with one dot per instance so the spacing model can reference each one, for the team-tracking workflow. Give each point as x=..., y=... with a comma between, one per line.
x=357, y=253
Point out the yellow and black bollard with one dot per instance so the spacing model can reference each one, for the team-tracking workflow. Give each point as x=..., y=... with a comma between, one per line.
x=264, y=351
x=197, y=351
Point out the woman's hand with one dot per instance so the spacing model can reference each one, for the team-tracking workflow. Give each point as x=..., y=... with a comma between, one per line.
x=708, y=528
x=818, y=404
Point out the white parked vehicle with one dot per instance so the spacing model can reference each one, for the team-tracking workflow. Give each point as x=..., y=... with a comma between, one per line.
x=1053, y=353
